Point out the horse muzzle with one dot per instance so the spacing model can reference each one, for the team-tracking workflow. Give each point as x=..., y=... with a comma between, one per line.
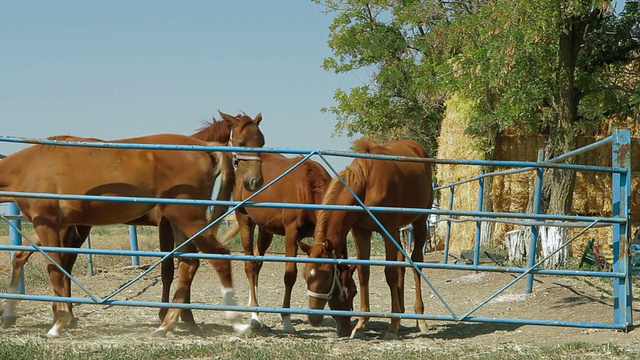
x=253, y=183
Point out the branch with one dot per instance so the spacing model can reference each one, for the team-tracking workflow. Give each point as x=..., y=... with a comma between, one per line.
x=610, y=88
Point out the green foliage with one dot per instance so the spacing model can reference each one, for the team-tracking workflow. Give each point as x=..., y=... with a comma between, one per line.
x=505, y=56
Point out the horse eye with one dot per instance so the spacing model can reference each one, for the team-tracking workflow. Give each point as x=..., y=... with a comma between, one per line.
x=312, y=273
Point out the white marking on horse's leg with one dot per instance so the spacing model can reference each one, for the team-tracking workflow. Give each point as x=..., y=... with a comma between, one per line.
x=9, y=315
x=357, y=333
x=286, y=324
x=423, y=328
x=233, y=316
x=255, y=318
x=55, y=330
x=162, y=331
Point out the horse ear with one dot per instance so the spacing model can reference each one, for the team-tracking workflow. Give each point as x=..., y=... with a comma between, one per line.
x=226, y=117
x=258, y=118
x=304, y=247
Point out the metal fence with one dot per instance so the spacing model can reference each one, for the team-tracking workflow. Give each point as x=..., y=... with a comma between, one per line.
x=621, y=274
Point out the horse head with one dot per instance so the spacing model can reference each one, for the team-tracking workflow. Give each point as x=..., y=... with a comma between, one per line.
x=330, y=283
x=246, y=133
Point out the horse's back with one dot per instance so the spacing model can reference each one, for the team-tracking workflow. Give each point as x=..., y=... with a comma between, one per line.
x=304, y=184
x=397, y=182
x=108, y=171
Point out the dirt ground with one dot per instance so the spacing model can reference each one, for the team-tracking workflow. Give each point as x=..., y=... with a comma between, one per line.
x=553, y=298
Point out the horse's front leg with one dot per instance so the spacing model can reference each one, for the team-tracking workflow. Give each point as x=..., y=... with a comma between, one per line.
x=362, y=240
x=392, y=276
x=290, y=274
x=420, y=232
x=246, y=228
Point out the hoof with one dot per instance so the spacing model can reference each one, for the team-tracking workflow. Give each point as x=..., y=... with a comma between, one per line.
x=289, y=330
x=194, y=330
x=9, y=321
x=390, y=336
x=160, y=333
x=53, y=333
x=424, y=329
x=287, y=326
x=73, y=323
x=255, y=324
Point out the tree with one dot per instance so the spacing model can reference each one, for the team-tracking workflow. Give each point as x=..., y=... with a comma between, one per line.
x=557, y=67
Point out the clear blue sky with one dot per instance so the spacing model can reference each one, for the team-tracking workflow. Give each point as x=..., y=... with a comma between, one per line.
x=115, y=69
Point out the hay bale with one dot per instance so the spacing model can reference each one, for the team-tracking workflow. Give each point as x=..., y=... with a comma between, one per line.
x=511, y=193
x=454, y=144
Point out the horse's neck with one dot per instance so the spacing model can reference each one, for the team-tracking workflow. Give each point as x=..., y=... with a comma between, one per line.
x=336, y=224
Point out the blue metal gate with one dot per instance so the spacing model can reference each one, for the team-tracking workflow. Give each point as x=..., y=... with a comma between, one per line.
x=621, y=274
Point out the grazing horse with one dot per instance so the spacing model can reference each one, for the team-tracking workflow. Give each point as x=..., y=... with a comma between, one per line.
x=306, y=184
x=123, y=172
x=376, y=182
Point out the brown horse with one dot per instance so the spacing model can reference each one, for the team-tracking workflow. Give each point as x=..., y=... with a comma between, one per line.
x=306, y=184
x=123, y=172
x=377, y=183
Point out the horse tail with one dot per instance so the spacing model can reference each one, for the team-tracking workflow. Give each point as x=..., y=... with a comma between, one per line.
x=231, y=233
x=363, y=145
x=223, y=167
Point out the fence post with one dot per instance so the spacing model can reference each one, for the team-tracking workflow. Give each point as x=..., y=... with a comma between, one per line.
x=89, y=255
x=15, y=238
x=476, y=249
x=133, y=238
x=534, y=229
x=448, y=234
x=621, y=188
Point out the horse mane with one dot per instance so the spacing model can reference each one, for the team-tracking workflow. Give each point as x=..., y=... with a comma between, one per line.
x=215, y=130
x=354, y=175
x=317, y=184
x=73, y=138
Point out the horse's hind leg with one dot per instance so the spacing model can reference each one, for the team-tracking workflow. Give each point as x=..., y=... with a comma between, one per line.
x=167, y=267
x=72, y=237
x=187, y=268
x=206, y=243
x=9, y=315
x=186, y=314
x=420, y=234
x=48, y=232
x=171, y=236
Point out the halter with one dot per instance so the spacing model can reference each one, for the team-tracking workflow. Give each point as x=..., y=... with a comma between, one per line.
x=237, y=157
x=336, y=280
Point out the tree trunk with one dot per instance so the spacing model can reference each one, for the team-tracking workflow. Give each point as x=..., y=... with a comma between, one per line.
x=487, y=228
x=558, y=185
